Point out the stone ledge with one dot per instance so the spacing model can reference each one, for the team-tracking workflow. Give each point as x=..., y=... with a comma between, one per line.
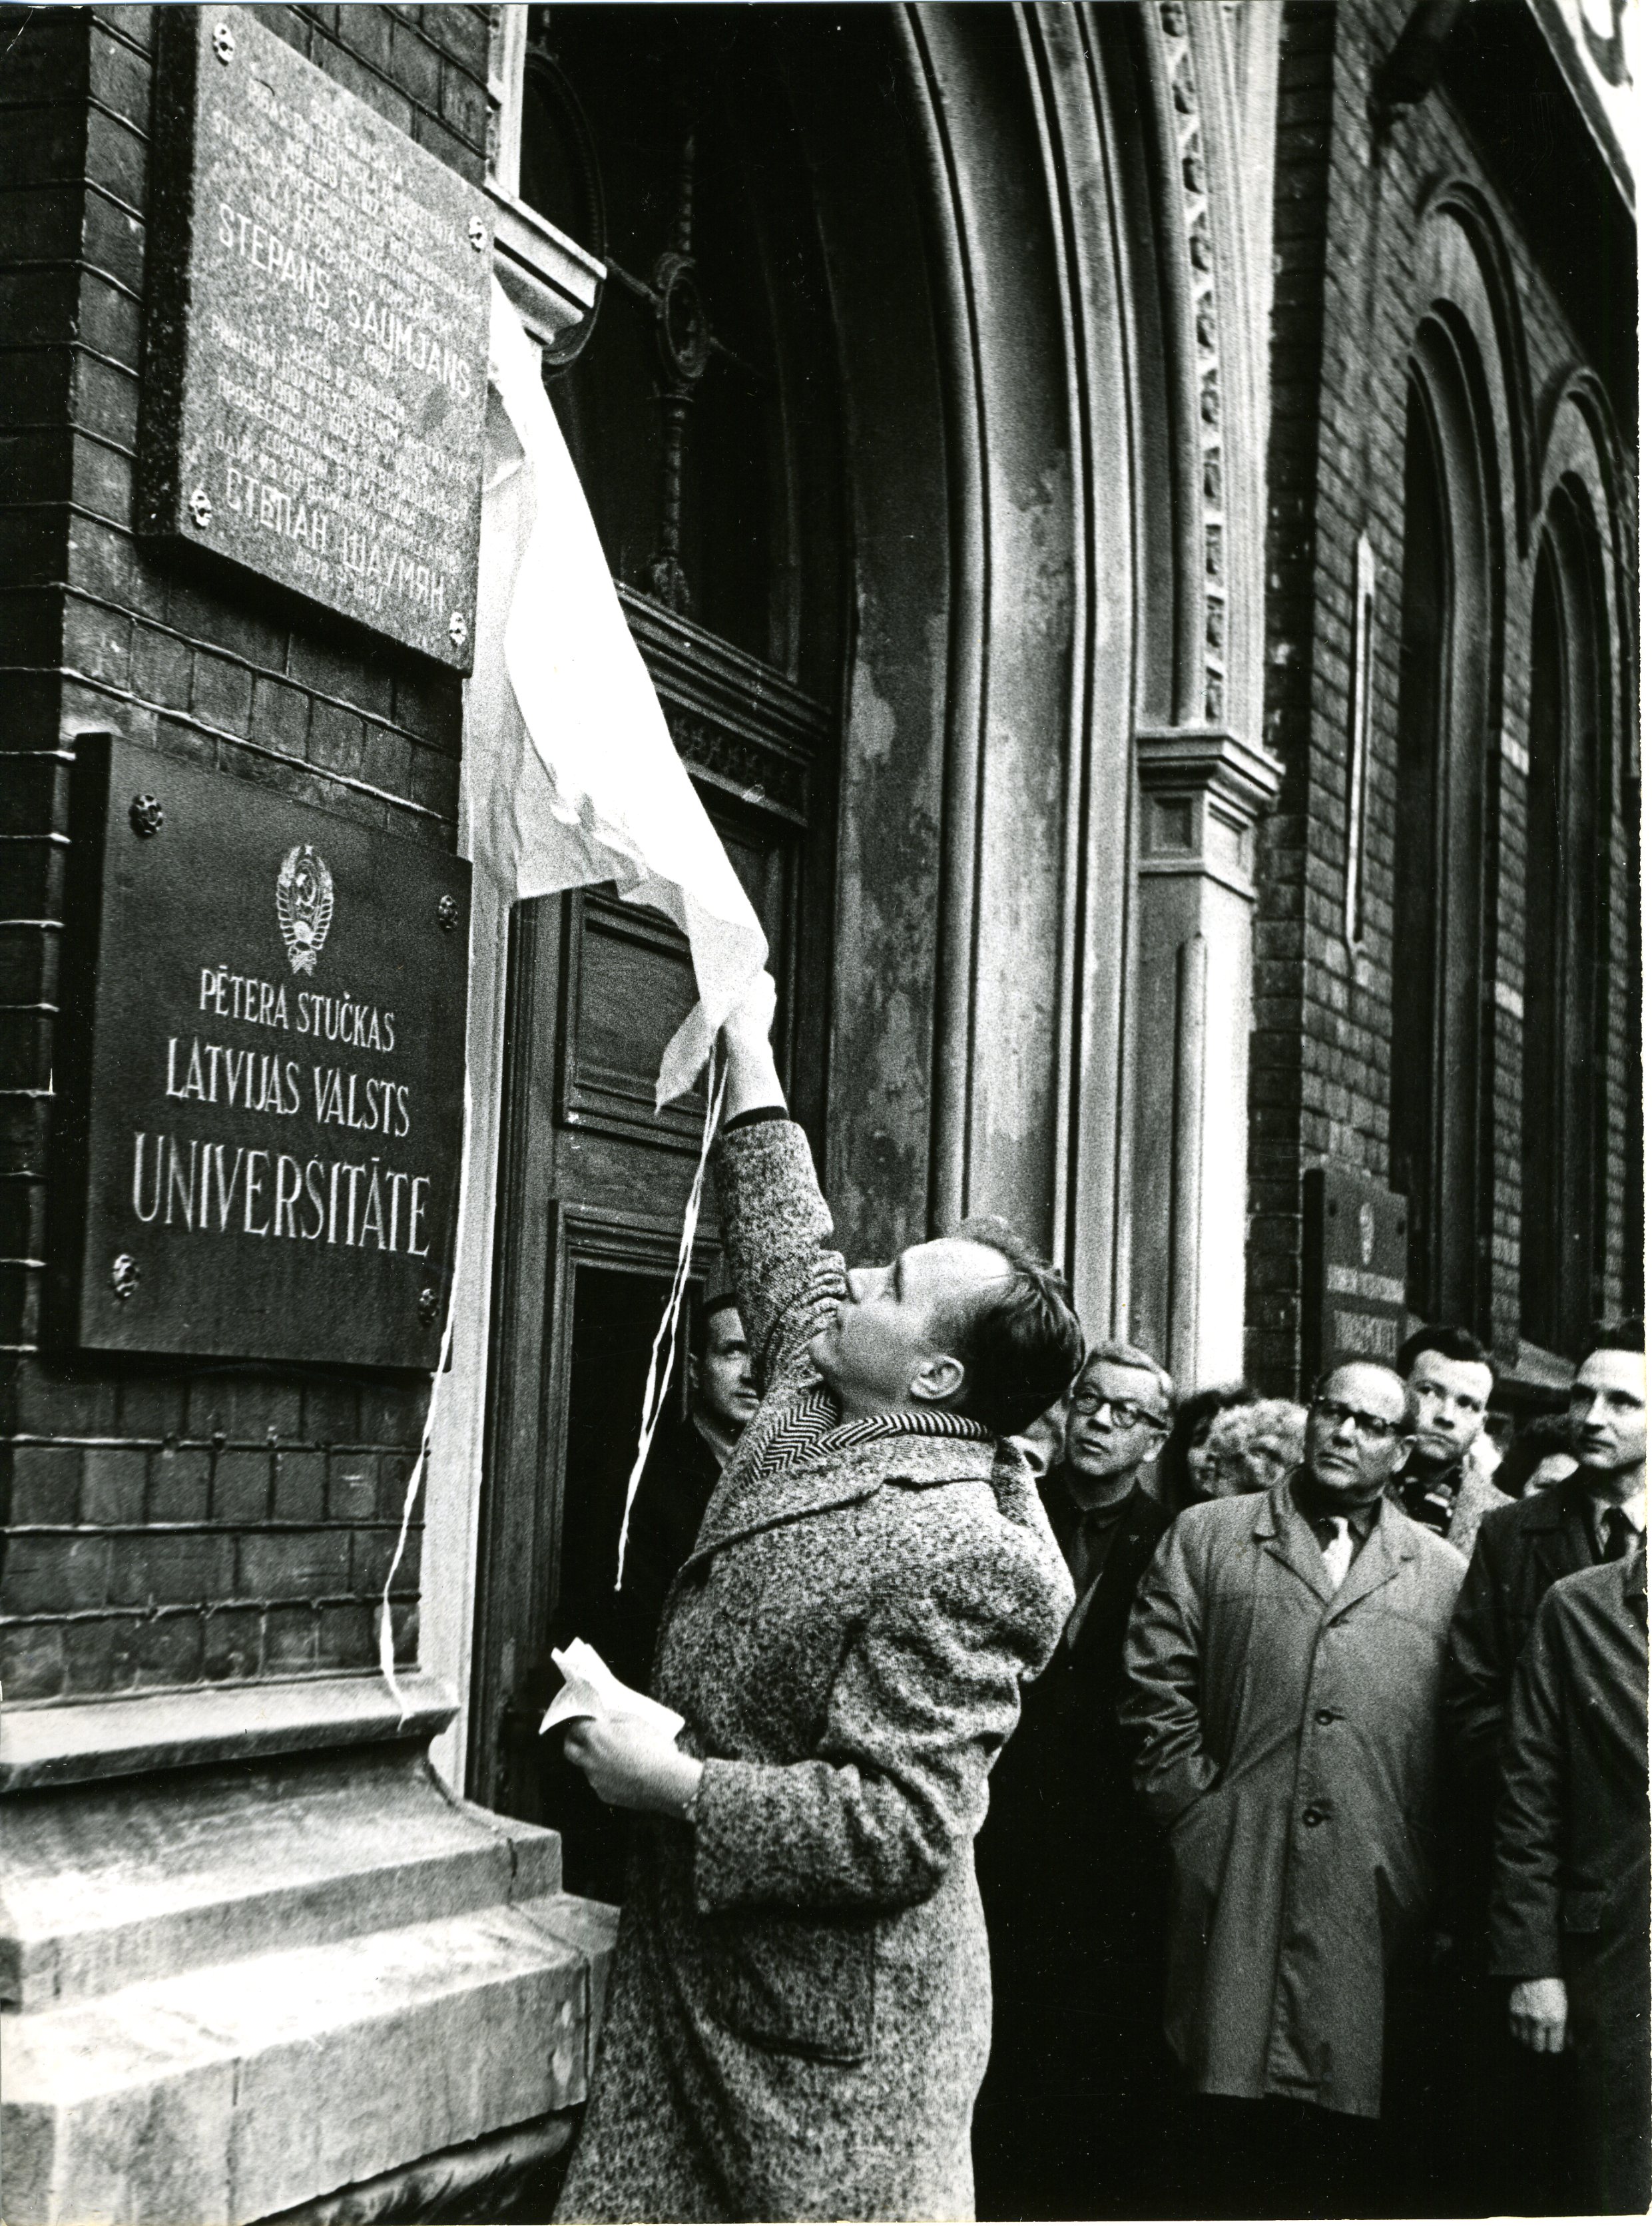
x=252, y=2086
x=68, y=1745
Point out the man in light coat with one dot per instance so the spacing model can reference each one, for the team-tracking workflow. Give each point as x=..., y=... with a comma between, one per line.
x=1284, y=1660
x=800, y=2007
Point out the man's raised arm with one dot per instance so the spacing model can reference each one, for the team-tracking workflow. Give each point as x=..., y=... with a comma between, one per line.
x=774, y=1219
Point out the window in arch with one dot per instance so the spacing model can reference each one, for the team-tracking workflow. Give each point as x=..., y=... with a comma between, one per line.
x=1439, y=1046
x=698, y=422
x=1561, y=1136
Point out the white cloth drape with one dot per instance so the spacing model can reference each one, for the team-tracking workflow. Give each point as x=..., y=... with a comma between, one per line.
x=585, y=783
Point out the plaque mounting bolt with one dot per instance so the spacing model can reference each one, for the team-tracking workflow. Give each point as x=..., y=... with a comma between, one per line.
x=447, y=914
x=457, y=628
x=223, y=42
x=123, y=1276
x=146, y=815
x=428, y=1303
x=477, y=234
x=201, y=508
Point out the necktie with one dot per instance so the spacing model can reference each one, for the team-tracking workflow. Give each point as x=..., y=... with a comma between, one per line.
x=1340, y=1550
x=1620, y=1533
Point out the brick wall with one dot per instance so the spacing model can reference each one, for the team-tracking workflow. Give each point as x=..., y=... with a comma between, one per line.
x=1341, y=338
x=168, y=1525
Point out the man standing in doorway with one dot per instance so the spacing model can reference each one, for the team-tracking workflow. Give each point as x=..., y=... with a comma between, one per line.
x=1068, y=1861
x=1284, y=1659
x=1518, y=2102
x=686, y=1460
x=1445, y=1483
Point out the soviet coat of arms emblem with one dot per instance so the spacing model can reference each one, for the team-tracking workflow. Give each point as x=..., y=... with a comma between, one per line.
x=304, y=906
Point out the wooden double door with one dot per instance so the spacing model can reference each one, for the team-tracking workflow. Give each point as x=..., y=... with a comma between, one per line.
x=697, y=405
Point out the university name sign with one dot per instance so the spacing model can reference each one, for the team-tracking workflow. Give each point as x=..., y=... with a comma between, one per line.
x=316, y=367
x=1353, y=1270
x=264, y=1114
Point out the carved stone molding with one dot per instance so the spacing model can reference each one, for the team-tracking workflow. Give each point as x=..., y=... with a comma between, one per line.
x=1203, y=791
x=1172, y=22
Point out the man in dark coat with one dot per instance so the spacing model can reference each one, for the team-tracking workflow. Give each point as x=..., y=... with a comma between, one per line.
x=1068, y=1861
x=1573, y=1884
x=798, y=2015
x=1515, y=2105
x=688, y=1456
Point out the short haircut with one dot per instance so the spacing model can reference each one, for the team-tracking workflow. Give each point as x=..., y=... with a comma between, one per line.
x=1382, y=1368
x=1117, y=1354
x=1021, y=1344
x=1626, y=1336
x=1450, y=1342
x=703, y=1315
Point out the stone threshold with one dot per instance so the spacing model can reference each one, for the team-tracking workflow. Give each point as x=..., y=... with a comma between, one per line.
x=69, y=1742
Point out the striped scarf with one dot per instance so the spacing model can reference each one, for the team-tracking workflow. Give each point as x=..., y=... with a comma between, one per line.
x=811, y=1426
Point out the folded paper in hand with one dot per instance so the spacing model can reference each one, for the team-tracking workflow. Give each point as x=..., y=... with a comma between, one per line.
x=590, y=1689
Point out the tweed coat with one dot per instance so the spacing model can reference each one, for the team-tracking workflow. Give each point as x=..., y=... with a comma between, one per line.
x=800, y=2008
x=1574, y=1877
x=1288, y=1746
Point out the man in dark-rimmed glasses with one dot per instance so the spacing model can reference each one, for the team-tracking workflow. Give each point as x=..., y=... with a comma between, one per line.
x=1284, y=1661
x=1068, y=1865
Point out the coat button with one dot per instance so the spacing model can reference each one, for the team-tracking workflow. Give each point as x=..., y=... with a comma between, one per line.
x=1325, y=1715
x=1312, y=1815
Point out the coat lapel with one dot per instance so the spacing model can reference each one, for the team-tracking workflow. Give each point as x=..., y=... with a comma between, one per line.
x=1288, y=1539
x=1384, y=1554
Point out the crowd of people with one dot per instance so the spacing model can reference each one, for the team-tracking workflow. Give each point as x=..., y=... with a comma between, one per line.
x=1295, y=1756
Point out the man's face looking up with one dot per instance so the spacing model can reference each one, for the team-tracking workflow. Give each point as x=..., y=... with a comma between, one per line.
x=1358, y=1436
x=1607, y=1411
x=1115, y=1419
x=1448, y=1401
x=720, y=1384
x=892, y=1341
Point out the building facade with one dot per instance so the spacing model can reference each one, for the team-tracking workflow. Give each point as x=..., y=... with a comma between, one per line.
x=1032, y=444
x=1448, y=959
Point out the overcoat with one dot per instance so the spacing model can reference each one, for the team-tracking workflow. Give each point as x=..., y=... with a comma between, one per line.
x=1519, y=1552
x=1070, y=1866
x=1574, y=1877
x=1288, y=1747
x=800, y=2008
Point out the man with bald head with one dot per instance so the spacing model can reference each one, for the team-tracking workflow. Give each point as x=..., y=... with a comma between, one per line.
x=1284, y=1660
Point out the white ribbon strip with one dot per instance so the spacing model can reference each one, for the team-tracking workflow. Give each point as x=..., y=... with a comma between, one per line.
x=386, y=1636
x=659, y=1379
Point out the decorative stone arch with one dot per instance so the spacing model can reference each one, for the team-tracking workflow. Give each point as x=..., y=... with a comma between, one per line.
x=1462, y=527
x=1092, y=360
x=1580, y=1078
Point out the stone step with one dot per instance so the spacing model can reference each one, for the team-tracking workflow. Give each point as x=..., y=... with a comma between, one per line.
x=106, y=1885
x=228, y=2092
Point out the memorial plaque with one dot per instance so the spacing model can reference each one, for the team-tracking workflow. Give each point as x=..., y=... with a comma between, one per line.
x=316, y=367
x=1353, y=1270
x=266, y=1014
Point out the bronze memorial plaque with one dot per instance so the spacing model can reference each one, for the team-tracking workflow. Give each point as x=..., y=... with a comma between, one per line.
x=316, y=373
x=264, y=1116
x=1353, y=1270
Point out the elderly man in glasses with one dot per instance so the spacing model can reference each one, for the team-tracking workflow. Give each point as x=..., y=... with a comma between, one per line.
x=1068, y=1863
x=1284, y=1661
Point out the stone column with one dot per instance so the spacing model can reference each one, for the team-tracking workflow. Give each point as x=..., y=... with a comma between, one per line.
x=1203, y=791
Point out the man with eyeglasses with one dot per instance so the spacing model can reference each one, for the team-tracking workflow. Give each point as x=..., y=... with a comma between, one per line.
x=1518, y=2094
x=1068, y=1866
x=1284, y=1659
